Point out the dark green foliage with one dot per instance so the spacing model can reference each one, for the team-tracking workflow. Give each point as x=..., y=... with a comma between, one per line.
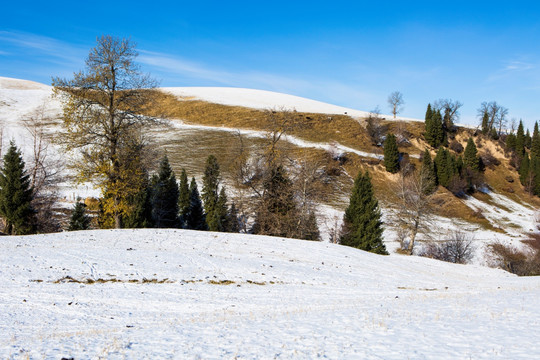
x=520, y=140
x=524, y=169
x=165, y=197
x=195, y=217
x=485, y=123
x=435, y=134
x=510, y=142
x=15, y=194
x=429, y=114
x=215, y=205
x=528, y=139
x=427, y=173
x=79, y=219
x=444, y=167
x=233, y=221
x=183, y=197
x=141, y=215
x=470, y=156
x=218, y=219
x=277, y=213
x=391, y=154
x=535, y=143
x=362, y=224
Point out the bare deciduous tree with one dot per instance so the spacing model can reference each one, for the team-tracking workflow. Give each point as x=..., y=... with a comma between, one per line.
x=496, y=114
x=45, y=168
x=395, y=101
x=413, y=213
x=450, y=108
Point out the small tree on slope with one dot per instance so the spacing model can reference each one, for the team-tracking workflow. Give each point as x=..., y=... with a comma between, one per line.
x=362, y=225
x=391, y=154
x=79, y=220
x=15, y=194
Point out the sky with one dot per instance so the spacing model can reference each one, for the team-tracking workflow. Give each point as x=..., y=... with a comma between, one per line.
x=348, y=53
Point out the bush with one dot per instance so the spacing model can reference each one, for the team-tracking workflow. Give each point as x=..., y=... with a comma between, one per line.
x=489, y=160
x=459, y=249
x=455, y=146
x=522, y=262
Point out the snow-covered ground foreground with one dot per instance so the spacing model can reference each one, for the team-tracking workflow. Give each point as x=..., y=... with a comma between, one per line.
x=184, y=294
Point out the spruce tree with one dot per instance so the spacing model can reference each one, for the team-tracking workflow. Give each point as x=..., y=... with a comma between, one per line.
x=362, y=224
x=165, y=197
x=210, y=194
x=524, y=169
x=79, y=219
x=535, y=143
x=195, y=217
x=15, y=194
x=183, y=197
x=218, y=219
x=528, y=139
x=470, y=158
x=485, y=123
x=520, y=140
x=443, y=167
x=141, y=214
x=510, y=142
x=429, y=178
x=312, y=228
x=233, y=220
x=391, y=154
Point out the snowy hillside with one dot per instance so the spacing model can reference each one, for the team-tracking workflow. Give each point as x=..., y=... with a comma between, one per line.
x=186, y=294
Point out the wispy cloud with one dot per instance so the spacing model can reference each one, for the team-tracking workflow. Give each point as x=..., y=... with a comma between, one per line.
x=54, y=50
x=513, y=68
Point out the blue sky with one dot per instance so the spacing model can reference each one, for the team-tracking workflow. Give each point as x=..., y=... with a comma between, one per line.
x=347, y=53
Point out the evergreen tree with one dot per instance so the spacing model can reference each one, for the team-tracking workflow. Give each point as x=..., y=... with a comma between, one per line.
x=233, y=221
x=429, y=178
x=195, y=217
x=428, y=125
x=141, y=214
x=15, y=194
x=524, y=169
x=520, y=140
x=435, y=134
x=391, y=154
x=429, y=114
x=511, y=142
x=362, y=224
x=79, y=219
x=470, y=158
x=165, y=197
x=312, y=229
x=485, y=123
x=535, y=143
x=218, y=219
x=183, y=197
x=528, y=139
x=277, y=213
x=210, y=195
x=444, y=167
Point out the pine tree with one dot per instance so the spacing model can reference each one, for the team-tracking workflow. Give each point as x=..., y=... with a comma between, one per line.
x=444, y=167
x=277, y=213
x=510, y=142
x=15, y=194
x=429, y=114
x=391, y=154
x=535, y=143
x=528, y=139
x=79, y=219
x=141, y=214
x=183, y=197
x=520, y=140
x=165, y=197
x=218, y=219
x=362, y=224
x=470, y=158
x=210, y=195
x=524, y=169
x=428, y=175
x=233, y=221
x=312, y=228
x=195, y=217
x=485, y=123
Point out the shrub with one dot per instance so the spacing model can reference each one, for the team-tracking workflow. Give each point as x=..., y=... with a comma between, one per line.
x=457, y=147
x=459, y=249
x=522, y=262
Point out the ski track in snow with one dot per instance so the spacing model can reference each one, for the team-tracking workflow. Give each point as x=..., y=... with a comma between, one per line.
x=326, y=300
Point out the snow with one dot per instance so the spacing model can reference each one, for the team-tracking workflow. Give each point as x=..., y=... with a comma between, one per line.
x=287, y=299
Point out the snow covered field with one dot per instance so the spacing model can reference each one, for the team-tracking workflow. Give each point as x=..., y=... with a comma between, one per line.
x=184, y=294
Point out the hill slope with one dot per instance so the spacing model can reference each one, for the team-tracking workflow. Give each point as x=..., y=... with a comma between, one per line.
x=185, y=294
